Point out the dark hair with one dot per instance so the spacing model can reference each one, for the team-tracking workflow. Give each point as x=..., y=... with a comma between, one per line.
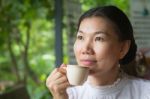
x=117, y=17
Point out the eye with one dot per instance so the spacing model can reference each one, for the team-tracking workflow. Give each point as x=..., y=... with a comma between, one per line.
x=99, y=39
x=79, y=37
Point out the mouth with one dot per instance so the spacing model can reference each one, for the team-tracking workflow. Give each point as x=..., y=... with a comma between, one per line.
x=88, y=63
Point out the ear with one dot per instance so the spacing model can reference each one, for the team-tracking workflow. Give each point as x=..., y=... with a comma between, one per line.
x=124, y=48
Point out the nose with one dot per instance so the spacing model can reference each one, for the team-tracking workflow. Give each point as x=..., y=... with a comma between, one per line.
x=87, y=48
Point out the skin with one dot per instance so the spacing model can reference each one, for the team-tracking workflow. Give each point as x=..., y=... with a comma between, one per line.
x=57, y=83
x=97, y=47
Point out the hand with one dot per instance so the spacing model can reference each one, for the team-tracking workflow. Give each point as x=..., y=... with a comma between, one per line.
x=57, y=83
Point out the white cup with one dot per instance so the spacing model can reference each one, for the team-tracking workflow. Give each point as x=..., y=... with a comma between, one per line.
x=76, y=74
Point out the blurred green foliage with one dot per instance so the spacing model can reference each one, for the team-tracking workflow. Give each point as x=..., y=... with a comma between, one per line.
x=27, y=41
x=122, y=4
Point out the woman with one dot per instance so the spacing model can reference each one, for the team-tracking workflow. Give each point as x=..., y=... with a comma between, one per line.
x=104, y=42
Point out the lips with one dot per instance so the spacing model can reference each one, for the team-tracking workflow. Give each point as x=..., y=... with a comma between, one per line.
x=88, y=62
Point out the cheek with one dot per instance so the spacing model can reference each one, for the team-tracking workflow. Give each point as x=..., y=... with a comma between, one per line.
x=102, y=51
x=107, y=51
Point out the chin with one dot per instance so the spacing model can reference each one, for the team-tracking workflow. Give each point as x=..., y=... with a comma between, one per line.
x=91, y=72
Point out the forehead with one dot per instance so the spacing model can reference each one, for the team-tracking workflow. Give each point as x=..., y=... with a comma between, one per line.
x=93, y=24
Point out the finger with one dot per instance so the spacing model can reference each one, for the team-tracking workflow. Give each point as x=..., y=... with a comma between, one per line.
x=62, y=71
x=57, y=69
x=61, y=80
x=53, y=77
x=53, y=72
x=63, y=86
x=58, y=85
x=63, y=68
x=60, y=88
x=56, y=76
x=63, y=65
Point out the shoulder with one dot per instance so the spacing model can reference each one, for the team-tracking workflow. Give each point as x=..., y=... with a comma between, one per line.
x=141, y=86
x=139, y=82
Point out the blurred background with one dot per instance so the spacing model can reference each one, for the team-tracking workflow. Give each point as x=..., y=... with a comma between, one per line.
x=37, y=35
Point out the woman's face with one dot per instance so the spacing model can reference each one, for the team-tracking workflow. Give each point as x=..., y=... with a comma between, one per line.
x=97, y=45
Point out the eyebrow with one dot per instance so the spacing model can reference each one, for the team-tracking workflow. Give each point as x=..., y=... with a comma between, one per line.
x=95, y=33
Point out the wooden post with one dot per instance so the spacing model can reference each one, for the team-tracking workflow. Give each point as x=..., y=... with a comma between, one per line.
x=58, y=32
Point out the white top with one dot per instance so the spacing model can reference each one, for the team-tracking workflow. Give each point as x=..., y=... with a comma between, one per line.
x=128, y=88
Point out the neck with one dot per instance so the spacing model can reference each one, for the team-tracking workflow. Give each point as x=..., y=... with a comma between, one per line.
x=104, y=79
